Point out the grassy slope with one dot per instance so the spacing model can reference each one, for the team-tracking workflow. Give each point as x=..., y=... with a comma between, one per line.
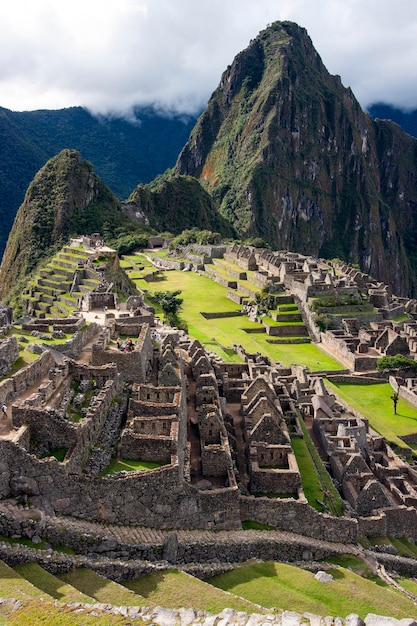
x=174, y=589
x=290, y=588
x=13, y=585
x=51, y=585
x=38, y=613
x=102, y=589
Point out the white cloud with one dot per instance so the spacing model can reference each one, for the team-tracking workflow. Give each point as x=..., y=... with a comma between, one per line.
x=109, y=55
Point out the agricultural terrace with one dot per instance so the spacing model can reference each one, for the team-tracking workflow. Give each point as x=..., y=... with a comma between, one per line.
x=277, y=584
x=374, y=402
x=200, y=294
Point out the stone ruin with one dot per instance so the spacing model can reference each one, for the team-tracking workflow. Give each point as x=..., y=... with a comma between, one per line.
x=221, y=433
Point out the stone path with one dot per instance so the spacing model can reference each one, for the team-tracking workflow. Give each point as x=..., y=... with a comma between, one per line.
x=134, y=535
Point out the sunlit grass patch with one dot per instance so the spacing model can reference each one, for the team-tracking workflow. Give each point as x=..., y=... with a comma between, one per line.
x=174, y=589
x=51, y=585
x=127, y=465
x=102, y=589
x=286, y=586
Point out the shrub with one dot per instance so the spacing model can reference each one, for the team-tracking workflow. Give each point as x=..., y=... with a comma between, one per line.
x=322, y=322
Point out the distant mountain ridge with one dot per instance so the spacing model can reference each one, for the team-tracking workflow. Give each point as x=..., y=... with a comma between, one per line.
x=123, y=152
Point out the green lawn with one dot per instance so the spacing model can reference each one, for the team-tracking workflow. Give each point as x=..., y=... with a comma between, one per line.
x=200, y=294
x=290, y=588
x=13, y=585
x=374, y=402
x=39, y=613
x=173, y=589
x=51, y=585
x=316, y=482
x=127, y=465
x=102, y=589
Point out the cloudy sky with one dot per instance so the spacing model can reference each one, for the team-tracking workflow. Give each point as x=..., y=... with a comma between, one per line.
x=109, y=55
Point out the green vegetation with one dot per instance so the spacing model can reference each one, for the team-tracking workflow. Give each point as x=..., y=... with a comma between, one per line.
x=275, y=585
x=174, y=589
x=127, y=465
x=41, y=613
x=200, y=294
x=195, y=235
x=400, y=365
x=24, y=541
x=356, y=565
x=51, y=585
x=13, y=585
x=102, y=589
x=58, y=453
x=252, y=525
x=170, y=304
x=339, y=300
x=317, y=484
x=375, y=402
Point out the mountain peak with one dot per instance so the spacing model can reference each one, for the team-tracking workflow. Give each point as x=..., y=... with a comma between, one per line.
x=58, y=194
x=287, y=154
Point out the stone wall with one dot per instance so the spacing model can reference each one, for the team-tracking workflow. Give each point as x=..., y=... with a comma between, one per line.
x=225, y=282
x=167, y=264
x=292, y=514
x=405, y=393
x=89, y=429
x=236, y=297
x=159, y=498
x=9, y=353
x=6, y=316
x=274, y=481
x=26, y=377
x=399, y=522
x=284, y=331
x=45, y=425
x=215, y=460
x=357, y=363
x=132, y=325
x=133, y=366
x=100, y=299
x=139, y=559
x=145, y=448
x=68, y=325
x=73, y=347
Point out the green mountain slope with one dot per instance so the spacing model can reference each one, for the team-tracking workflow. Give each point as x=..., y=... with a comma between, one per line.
x=64, y=198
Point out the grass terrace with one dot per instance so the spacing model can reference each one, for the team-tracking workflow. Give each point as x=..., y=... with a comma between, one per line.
x=374, y=402
x=200, y=294
x=99, y=588
x=317, y=485
x=40, y=612
x=276, y=585
x=173, y=589
x=50, y=584
x=25, y=355
x=127, y=465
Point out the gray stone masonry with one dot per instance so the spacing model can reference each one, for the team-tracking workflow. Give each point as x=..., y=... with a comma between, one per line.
x=9, y=353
